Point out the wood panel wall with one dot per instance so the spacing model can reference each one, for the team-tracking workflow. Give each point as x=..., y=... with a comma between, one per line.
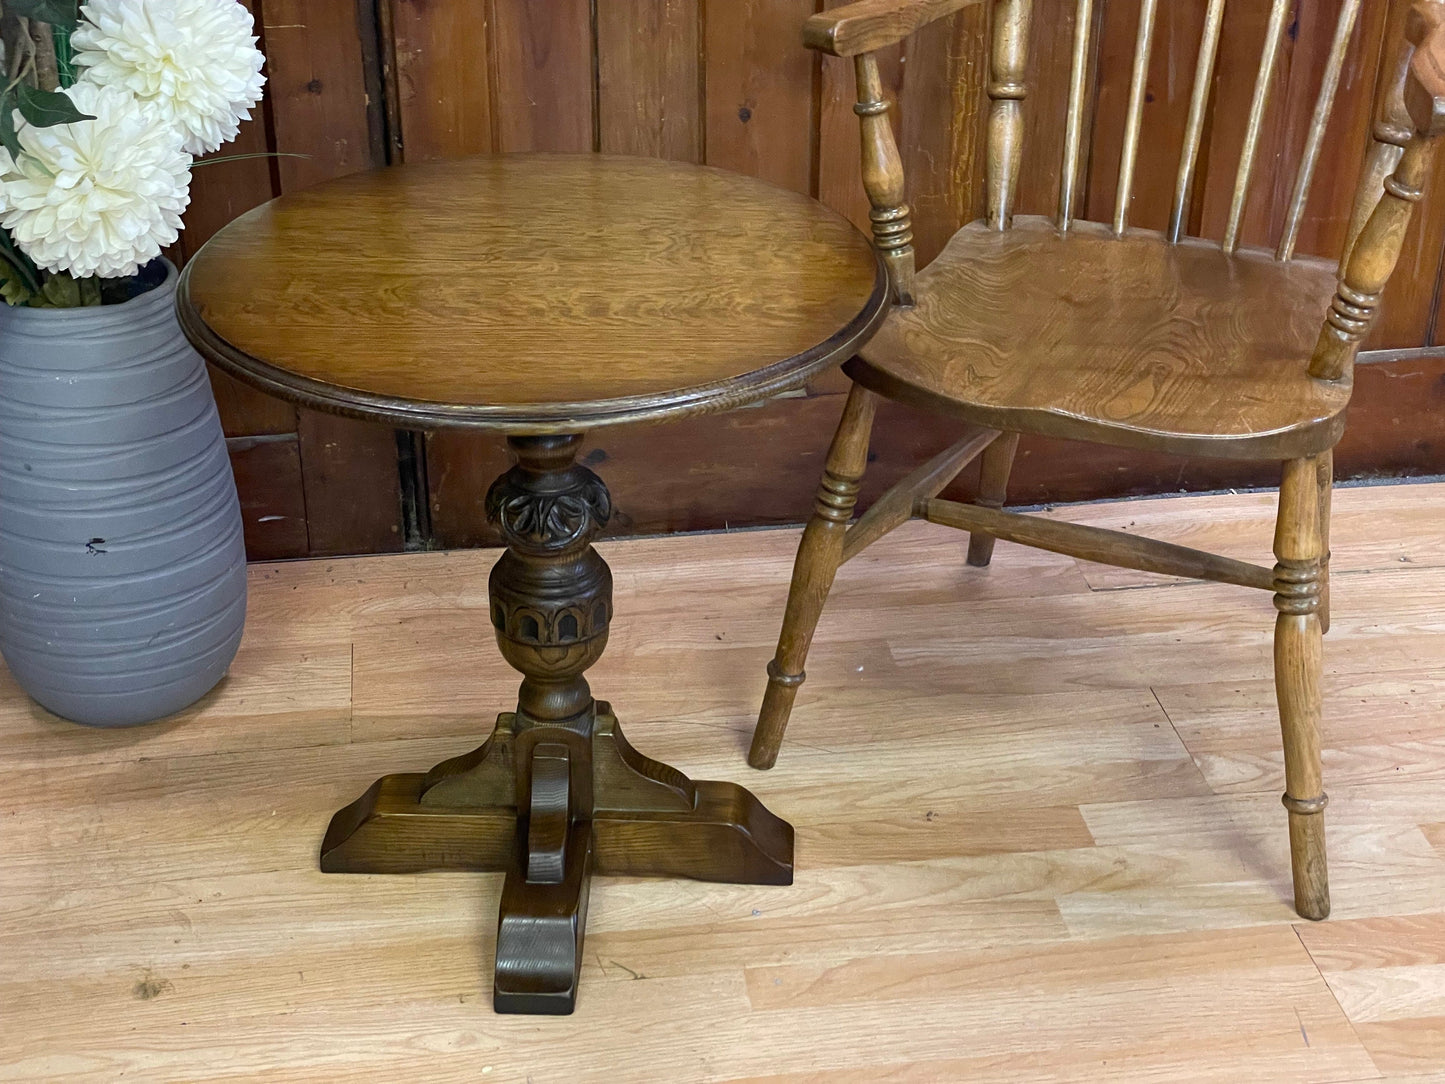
x=360, y=83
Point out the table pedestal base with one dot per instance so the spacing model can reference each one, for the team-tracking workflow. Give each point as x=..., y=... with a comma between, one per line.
x=551, y=805
x=556, y=792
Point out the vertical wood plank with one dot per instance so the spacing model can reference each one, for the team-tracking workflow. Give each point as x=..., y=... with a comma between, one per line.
x=1325, y=223
x=1265, y=78
x=321, y=109
x=352, y=485
x=273, y=502
x=1240, y=46
x=1319, y=123
x=648, y=91
x=760, y=90
x=543, y=91
x=246, y=412
x=1168, y=85
x=443, y=77
x=267, y=471
x=318, y=90
x=945, y=126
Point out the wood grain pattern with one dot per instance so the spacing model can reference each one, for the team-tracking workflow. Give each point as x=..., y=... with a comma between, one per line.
x=1033, y=351
x=944, y=125
x=889, y=215
x=819, y=554
x=761, y=465
x=1095, y=544
x=840, y=184
x=758, y=87
x=1007, y=90
x=1298, y=665
x=272, y=489
x=162, y=918
x=746, y=290
x=317, y=91
x=994, y=469
x=351, y=483
x=450, y=72
x=443, y=77
x=648, y=99
x=866, y=25
x=556, y=789
x=544, y=93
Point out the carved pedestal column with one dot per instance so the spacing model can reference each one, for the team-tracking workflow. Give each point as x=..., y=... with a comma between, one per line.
x=556, y=790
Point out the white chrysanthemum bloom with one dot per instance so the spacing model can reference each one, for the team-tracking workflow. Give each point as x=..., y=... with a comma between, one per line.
x=195, y=59
x=97, y=197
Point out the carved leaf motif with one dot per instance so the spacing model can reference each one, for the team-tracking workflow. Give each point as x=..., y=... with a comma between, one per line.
x=549, y=520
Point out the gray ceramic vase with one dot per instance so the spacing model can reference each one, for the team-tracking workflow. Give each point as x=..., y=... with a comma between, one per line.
x=122, y=568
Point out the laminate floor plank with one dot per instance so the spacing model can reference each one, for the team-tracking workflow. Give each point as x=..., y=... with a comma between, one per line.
x=1039, y=835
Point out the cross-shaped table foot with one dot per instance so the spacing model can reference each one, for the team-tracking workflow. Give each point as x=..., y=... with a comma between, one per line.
x=556, y=792
x=591, y=803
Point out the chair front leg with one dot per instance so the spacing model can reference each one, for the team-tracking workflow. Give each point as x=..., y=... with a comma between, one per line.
x=819, y=555
x=1325, y=478
x=994, y=468
x=1298, y=668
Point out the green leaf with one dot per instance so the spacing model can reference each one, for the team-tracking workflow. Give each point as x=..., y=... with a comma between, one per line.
x=12, y=286
x=64, y=53
x=8, y=139
x=46, y=108
x=217, y=159
x=47, y=11
x=19, y=263
x=60, y=292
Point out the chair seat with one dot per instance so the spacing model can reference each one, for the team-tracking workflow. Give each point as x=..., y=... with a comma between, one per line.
x=1129, y=341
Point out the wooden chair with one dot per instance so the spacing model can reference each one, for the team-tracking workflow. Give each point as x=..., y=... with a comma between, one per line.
x=1126, y=337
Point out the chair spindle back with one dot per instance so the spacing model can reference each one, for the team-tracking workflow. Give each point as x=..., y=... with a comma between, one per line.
x=1410, y=114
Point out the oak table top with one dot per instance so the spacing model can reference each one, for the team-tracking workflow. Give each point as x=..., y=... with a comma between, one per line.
x=533, y=293
x=541, y=296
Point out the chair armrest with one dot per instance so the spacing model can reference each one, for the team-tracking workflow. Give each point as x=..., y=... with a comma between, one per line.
x=1425, y=83
x=866, y=25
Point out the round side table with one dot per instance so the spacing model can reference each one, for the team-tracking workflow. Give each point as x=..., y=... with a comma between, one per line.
x=540, y=296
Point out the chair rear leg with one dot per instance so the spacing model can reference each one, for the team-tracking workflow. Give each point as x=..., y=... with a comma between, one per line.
x=819, y=555
x=994, y=468
x=1298, y=667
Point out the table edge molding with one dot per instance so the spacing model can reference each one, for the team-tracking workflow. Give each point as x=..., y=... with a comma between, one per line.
x=535, y=418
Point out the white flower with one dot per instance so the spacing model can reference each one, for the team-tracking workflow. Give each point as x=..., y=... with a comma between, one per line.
x=97, y=197
x=195, y=59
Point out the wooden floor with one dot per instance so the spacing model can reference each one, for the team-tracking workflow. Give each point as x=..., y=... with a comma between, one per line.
x=1039, y=830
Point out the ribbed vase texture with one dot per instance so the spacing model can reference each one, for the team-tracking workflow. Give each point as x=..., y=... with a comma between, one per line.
x=122, y=567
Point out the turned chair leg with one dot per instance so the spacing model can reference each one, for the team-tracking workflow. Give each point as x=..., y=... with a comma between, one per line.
x=819, y=555
x=994, y=468
x=1325, y=478
x=1298, y=667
